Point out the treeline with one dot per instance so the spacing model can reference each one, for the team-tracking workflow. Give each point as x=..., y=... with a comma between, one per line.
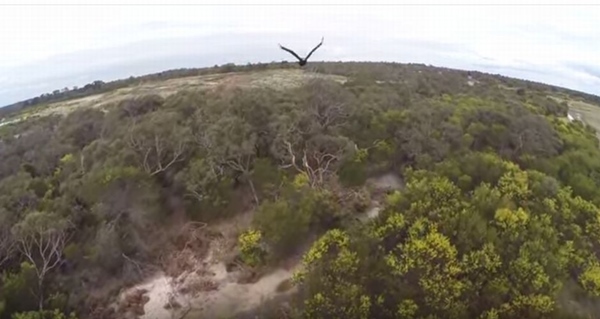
x=97, y=87
x=499, y=214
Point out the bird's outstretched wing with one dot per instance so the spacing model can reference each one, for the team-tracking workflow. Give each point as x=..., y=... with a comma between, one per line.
x=291, y=52
x=315, y=49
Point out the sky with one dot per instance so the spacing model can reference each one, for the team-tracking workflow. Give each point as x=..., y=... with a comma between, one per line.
x=52, y=46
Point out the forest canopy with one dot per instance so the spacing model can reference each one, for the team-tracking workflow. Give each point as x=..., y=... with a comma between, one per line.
x=498, y=217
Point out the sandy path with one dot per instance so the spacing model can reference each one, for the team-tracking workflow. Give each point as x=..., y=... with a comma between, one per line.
x=228, y=299
x=159, y=290
x=222, y=297
x=233, y=298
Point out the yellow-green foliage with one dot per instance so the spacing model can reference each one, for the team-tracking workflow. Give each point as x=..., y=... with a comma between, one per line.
x=407, y=308
x=395, y=223
x=427, y=257
x=43, y=314
x=333, y=238
x=535, y=305
x=507, y=218
x=116, y=173
x=340, y=298
x=249, y=243
x=590, y=278
x=361, y=155
x=432, y=256
x=68, y=158
x=514, y=185
x=301, y=180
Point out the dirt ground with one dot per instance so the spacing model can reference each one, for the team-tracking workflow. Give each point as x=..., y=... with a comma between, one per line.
x=199, y=285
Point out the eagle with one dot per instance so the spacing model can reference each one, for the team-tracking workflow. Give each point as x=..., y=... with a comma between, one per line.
x=302, y=61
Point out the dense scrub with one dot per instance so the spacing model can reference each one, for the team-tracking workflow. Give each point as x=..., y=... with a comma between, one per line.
x=498, y=216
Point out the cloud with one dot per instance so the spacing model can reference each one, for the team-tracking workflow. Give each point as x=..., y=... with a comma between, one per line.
x=59, y=46
x=587, y=71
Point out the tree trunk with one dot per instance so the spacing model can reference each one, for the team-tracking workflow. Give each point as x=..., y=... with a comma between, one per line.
x=41, y=293
x=253, y=191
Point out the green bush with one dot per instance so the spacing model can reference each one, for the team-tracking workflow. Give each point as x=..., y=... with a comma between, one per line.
x=43, y=314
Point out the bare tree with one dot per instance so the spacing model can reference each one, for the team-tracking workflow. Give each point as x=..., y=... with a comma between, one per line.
x=317, y=163
x=328, y=105
x=158, y=156
x=243, y=164
x=41, y=238
x=305, y=139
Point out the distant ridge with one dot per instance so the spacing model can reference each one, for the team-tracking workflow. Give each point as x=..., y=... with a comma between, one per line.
x=98, y=86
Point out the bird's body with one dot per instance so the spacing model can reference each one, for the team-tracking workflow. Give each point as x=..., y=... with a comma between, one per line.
x=302, y=61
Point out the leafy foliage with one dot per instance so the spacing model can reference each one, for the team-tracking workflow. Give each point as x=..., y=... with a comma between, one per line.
x=251, y=252
x=499, y=213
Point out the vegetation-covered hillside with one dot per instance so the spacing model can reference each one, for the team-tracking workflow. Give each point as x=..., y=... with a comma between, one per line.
x=498, y=218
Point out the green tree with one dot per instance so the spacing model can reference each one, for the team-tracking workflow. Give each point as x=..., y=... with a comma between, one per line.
x=18, y=290
x=299, y=211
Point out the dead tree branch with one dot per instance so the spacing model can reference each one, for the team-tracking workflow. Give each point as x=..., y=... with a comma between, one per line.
x=157, y=155
x=315, y=164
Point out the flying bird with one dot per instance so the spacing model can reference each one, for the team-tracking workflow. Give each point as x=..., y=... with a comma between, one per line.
x=302, y=61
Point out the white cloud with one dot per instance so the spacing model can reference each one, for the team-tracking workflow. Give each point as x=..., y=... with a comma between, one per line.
x=59, y=44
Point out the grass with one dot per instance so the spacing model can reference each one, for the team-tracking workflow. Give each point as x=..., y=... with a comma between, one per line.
x=590, y=113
